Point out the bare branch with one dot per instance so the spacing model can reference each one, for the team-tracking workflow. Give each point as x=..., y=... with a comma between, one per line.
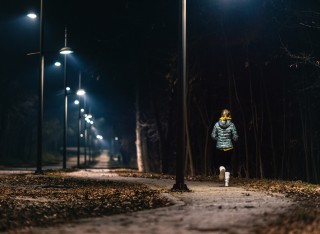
x=309, y=26
x=303, y=58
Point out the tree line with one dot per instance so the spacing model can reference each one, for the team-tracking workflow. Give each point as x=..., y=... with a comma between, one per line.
x=260, y=61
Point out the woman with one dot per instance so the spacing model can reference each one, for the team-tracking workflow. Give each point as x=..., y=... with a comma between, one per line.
x=223, y=133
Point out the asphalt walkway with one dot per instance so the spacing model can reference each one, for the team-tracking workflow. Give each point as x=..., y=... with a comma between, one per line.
x=208, y=208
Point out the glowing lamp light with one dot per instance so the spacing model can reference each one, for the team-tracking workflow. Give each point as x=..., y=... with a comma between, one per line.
x=99, y=137
x=66, y=50
x=81, y=92
x=32, y=16
x=57, y=64
x=68, y=88
x=76, y=102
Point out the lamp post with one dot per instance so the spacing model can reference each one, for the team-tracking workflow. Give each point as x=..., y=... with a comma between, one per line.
x=85, y=143
x=85, y=136
x=182, y=80
x=80, y=93
x=90, y=142
x=65, y=51
x=41, y=80
x=88, y=121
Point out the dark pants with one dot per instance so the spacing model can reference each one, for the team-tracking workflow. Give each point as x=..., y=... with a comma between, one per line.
x=223, y=158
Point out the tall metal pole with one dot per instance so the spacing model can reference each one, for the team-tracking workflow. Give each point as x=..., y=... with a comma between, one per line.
x=41, y=81
x=85, y=134
x=89, y=144
x=79, y=124
x=65, y=122
x=182, y=80
x=85, y=143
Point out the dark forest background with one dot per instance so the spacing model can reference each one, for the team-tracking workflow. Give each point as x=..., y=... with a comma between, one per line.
x=260, y=59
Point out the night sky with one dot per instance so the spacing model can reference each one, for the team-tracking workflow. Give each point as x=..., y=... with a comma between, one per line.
x=106, y=37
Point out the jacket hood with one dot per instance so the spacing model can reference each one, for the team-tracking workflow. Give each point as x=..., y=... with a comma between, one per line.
x=224, y=123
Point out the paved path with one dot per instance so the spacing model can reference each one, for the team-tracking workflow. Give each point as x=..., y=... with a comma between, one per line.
x=102, y=161
x=208, y=208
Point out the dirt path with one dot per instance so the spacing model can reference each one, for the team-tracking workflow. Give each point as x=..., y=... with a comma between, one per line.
x=208, y=208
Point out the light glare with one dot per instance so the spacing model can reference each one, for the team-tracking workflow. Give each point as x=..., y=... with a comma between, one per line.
x=66, y=50
x=99, y=137
x=32, y=16
x=81, y=92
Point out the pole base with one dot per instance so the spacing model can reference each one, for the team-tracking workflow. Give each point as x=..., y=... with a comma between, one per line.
x=180, y=187
x=38, y=172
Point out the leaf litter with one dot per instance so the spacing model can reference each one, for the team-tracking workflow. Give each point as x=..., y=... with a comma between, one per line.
x=303, y=217
x=31, y=200
x=44, y=200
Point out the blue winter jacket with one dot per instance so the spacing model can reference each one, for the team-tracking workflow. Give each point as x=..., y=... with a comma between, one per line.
x=224, y=132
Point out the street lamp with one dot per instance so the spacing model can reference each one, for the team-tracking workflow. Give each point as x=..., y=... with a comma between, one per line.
x=87, y=120
x=41, y=79
x=85, y=139
x=65, y=51
x=80, y=92
x=32, y=15
x=90, y=122
x=182, y=80
x=77, y=102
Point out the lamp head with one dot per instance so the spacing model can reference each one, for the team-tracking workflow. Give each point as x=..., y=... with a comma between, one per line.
x=81, y=92
x=32, y=15
x=66, y=50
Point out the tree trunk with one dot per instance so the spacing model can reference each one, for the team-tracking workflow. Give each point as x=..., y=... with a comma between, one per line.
x=206, y=124
x=141, y=159
x=188, y=149
x=244, y=130
x=273, y=151
x=161, y=148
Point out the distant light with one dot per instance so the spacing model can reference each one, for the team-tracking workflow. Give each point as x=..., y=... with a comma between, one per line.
x=81, y=92
x=76, y=102
x=32, y=16
x=116, y=138
x=82, y=110
x=57, y=64
x=88, y=118
x=99, y=137
x=66, y=50
x=68, y=88
x=81, y=135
